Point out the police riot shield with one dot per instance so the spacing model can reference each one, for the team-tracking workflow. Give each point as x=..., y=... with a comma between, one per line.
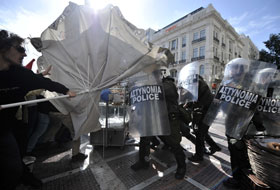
x=148, y=113
x=236, y=100
x=188, y=83
x=269, y=110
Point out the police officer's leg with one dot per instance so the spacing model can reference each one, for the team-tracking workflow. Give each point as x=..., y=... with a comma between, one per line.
x=199, y=143
x=186, y=132
x=238, y=160
x=213, y=145
x=155, y=142
x=144, y=153
x=238, y=157
x=174, y=141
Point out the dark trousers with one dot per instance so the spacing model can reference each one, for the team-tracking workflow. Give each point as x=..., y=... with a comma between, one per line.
x=238, y=157
x=202, y=136
x=11, y=167
x=173, y=140
x=186, y=132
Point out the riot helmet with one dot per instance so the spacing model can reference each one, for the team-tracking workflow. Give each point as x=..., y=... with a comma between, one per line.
x=164, y=72
x=265, y=76
x=188, y=82
x=236, y=69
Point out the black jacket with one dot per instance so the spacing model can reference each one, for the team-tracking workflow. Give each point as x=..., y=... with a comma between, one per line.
x=15, y=83
x=205, y=96
x=171, y=96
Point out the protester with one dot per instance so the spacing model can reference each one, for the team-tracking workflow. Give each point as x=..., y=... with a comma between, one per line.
x=42, y=123
x=16, y=82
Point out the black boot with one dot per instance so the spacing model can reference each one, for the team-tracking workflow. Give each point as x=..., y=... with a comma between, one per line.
x=144, y=153
x=195, y=158
x=181, y=165
x=139, y=165
x=212, y=150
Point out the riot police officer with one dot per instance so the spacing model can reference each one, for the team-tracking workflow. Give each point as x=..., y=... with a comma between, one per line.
x=173, y=140
x=196, y=95
x=237, y=100
x=201, y=106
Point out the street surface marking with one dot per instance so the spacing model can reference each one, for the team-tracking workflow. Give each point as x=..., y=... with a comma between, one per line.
x=104, y=175
x=152, y=179
x=64, y=174
x=195, y=183
x=121, y=155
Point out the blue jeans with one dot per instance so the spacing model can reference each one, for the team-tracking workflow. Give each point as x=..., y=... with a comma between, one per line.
x=42, y=125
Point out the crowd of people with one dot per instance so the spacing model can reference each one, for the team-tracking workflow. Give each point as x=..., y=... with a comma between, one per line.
x=18, y=137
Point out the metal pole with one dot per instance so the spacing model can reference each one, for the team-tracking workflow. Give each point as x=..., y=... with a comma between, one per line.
x=37, y=101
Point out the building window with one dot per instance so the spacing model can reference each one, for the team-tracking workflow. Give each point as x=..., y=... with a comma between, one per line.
x=173, y=44
x=195, y=52
x=222, y=56
x=213, y=69
x=173, y=73
x=202, y=51
x=176, y=57
x=215, y=52
x=195, y=36
x=183, y=56
x=216, y=34
x=184, y=41
x=202, y=33
x=201, y=70
x=230, y=46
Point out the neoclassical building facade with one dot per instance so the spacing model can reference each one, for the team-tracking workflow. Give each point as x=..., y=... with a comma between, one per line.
x=205, y=37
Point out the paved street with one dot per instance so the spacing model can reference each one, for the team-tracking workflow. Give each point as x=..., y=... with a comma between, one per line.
x=109, y=168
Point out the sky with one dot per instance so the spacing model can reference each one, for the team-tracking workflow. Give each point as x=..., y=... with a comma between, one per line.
x=254, y=18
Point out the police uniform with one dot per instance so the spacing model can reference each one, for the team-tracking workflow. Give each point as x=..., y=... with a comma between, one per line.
x=173, y=140
x=205, y=98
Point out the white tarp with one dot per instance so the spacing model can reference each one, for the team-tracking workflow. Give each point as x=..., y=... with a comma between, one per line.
x=90, y=52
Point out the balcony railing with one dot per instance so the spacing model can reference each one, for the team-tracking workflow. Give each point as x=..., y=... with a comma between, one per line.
x=198, y=40
x=216, y=40
x=182, y=61
x=174, y=63
x=198, y=58
x=216, y=58
x=223, y=45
